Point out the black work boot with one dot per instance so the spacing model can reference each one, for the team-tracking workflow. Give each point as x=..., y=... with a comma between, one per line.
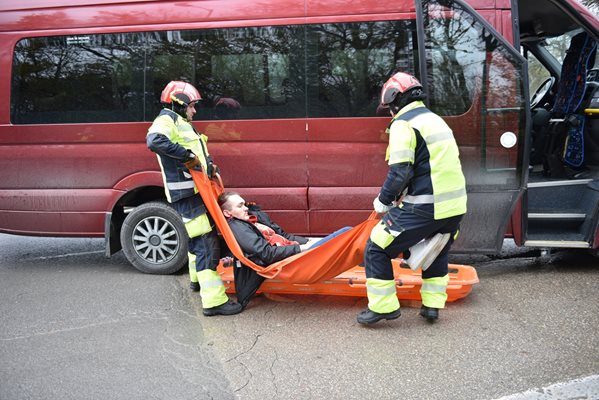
x=431, y=314
x=228, y=308
x=194, y=286
x=370, y=317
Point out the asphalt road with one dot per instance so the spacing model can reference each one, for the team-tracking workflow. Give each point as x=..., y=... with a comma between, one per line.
x=75, y=325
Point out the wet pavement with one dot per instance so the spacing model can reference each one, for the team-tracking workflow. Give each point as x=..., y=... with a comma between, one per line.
x=74, y=324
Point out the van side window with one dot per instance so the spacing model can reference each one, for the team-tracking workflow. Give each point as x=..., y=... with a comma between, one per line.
x=87, y=78
x=455, y=53
x=352, y=61
x=268, y=72
x=242, y=73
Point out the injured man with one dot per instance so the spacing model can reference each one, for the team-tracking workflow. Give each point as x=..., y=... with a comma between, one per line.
x=262, y=240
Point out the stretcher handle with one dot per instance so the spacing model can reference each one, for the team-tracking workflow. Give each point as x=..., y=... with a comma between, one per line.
x=218, y=180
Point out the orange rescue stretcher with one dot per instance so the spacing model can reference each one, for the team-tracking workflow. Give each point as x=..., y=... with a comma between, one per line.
x=330, y=269
x=353, y=283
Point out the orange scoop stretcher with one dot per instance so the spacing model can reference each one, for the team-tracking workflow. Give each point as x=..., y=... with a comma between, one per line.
x=353, y=283
x=332, y=268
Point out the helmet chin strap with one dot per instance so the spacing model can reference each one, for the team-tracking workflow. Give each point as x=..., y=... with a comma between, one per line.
x=179, y=110
x=401, y=102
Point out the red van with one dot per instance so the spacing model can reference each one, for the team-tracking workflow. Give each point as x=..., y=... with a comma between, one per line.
x=291, y=90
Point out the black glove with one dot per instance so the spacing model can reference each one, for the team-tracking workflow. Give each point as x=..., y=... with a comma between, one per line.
x=192, y=161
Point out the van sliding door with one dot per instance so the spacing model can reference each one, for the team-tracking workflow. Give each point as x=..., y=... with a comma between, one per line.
x=475, y=80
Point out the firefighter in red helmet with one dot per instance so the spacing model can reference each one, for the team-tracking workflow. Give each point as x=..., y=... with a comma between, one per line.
x=180, y=148
x=422, y=198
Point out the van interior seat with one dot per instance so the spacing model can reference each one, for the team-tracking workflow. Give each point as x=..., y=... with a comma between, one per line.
x=564, y=145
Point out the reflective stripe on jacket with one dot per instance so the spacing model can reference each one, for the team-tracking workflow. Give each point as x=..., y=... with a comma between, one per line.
x=170, y=136
x=419, y=139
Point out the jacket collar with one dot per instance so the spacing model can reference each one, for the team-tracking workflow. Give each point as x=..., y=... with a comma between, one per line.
x=413, y=105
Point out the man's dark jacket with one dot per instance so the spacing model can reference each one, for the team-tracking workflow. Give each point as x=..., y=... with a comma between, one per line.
x=264, y=218
x=256, y=248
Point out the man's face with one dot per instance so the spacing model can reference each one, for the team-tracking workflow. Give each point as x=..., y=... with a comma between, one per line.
x=190, y=111
x=235, y=208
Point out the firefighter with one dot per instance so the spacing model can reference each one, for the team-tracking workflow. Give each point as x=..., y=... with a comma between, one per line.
x=180, y=148
x=424, y=194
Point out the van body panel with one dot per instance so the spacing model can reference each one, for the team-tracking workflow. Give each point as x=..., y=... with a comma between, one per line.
x=55, y=212
x=325, y=221
x=58, y=15
x=324, y=7
x=57, y=224
x=139, y=179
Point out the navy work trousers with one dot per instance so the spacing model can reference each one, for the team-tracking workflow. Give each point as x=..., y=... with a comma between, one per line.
x=413, y=228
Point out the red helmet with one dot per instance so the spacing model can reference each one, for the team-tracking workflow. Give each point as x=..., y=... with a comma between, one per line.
x=182, y=93
x=398, y=84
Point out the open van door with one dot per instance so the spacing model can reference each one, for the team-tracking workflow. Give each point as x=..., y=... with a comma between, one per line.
x=562, y=198
x=476, y=80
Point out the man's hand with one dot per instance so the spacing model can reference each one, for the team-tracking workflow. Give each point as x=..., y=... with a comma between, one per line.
x=312, y=241
x=380, y=207
x=192, y=161
x=304, y=247
x=227, y=261
x=212, y=170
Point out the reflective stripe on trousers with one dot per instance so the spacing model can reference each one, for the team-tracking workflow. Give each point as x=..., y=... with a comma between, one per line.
x=434, y=291
x=212, y=289
x=195, y=227
x=191, y=265
x=382, y=295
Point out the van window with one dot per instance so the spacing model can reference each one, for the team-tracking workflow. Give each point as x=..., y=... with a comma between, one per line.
x=558, y=45
x=352, y=61
x=455, y=53
x=537, y=73
x=242, y=73
x=467, y=61
x=269, y=72
x=88, y=78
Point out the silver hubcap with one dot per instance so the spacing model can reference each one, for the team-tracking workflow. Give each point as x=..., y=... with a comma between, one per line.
x=155, y=240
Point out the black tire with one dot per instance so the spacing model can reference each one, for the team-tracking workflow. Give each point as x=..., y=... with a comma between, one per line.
x=154, y=239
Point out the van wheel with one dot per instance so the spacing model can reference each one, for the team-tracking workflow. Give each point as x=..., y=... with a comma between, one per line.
x=154, y=239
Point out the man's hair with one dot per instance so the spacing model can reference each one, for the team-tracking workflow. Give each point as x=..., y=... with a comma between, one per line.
x=224, y=198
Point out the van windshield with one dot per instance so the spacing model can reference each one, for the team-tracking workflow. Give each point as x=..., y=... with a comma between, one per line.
x=557, y=46
x=547, y=53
